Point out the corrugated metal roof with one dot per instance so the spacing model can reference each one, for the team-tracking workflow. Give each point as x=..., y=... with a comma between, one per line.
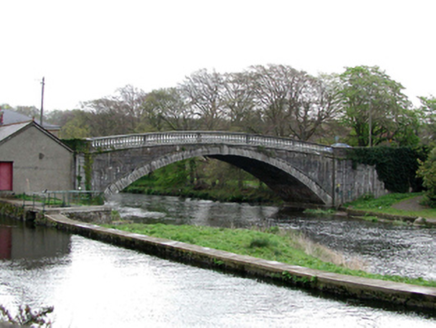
x=8, y=130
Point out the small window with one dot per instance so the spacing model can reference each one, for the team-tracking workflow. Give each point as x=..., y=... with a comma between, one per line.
x=6, y=176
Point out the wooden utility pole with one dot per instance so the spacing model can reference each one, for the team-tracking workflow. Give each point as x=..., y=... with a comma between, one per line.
x=42, y=100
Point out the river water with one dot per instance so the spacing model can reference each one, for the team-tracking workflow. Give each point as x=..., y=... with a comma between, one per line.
x=384, y=248
x=93, y=284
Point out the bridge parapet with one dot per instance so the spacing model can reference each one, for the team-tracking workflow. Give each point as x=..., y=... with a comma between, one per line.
x=201, y=137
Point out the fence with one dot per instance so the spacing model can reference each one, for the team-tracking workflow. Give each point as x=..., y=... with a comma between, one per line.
x=64, y=198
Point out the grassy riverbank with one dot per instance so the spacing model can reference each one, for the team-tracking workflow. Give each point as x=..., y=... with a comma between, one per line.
x=272, y=244
x=407, y=204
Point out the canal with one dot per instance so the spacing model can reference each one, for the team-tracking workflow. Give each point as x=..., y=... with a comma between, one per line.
x=92, y=284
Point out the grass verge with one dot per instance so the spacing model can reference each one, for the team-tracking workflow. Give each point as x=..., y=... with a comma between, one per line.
x=273, y=244
x=384, y=204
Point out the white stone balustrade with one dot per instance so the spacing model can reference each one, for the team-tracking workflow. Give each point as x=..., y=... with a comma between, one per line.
x=196, y=137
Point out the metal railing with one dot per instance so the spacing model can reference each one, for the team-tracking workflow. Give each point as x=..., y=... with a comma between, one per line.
x=64, y=198
x=201, y=137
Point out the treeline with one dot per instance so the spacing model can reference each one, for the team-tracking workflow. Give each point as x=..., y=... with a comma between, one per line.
x=273, y=100
x=361, y=106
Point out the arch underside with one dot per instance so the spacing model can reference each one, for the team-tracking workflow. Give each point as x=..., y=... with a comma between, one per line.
x=288, y=187
x=290, y=184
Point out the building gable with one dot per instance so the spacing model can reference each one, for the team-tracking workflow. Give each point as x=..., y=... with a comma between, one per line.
x=38, y=160
x=11, y=130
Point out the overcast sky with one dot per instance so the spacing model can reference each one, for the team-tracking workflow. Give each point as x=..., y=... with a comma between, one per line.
x=88, y=49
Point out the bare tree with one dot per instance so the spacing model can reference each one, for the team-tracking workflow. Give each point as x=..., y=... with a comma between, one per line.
x=315, y=103
x=106, y=117
x=203, y=94
x=239, y=100
x=116, y=114
x=131, y=100
x=165, y=109
x=293, y=103
x=273, y=85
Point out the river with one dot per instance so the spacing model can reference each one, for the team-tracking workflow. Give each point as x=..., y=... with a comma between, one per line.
x=384, y=248
x=93, y=284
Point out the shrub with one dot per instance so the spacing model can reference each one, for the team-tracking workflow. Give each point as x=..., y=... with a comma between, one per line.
x=396, y=167
x=27, y=317
x=427, y=171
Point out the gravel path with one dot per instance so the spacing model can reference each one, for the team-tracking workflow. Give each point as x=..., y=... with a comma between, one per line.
x=411, y=204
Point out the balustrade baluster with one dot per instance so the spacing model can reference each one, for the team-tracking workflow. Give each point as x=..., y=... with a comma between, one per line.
x=139, y=140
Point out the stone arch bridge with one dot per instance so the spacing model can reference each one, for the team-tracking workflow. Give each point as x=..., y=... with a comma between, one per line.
x=302, y=174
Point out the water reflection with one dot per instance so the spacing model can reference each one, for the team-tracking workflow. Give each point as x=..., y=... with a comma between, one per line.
x=5, y=242
x=20, y=241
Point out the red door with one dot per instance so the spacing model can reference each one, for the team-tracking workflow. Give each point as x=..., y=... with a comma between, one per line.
x=5, y=175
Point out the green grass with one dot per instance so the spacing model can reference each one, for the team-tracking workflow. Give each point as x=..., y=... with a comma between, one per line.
x=274, y=245
x=384, y=204
x=369, y=202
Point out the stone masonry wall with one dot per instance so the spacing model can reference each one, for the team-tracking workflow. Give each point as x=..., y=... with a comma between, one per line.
x=321, y=173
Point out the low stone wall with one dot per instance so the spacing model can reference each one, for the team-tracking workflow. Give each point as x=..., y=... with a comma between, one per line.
x=12, y=209
x=409, y=296
x=28, y=211
x=99, y=215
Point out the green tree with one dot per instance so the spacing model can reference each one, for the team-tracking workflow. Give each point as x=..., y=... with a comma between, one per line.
x=428, y=112
x=175, y=175
x=408, y=125
x=427, y=171
x=77, y=125
x=374, y=106
x=30, y=111
x=60, y=117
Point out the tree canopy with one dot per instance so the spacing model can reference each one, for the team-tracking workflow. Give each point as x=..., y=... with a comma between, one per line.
x=362, y=106
x=374, y=106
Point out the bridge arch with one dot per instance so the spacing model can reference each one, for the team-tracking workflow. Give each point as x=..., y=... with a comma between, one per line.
x=290, y=183
x=304, y=173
